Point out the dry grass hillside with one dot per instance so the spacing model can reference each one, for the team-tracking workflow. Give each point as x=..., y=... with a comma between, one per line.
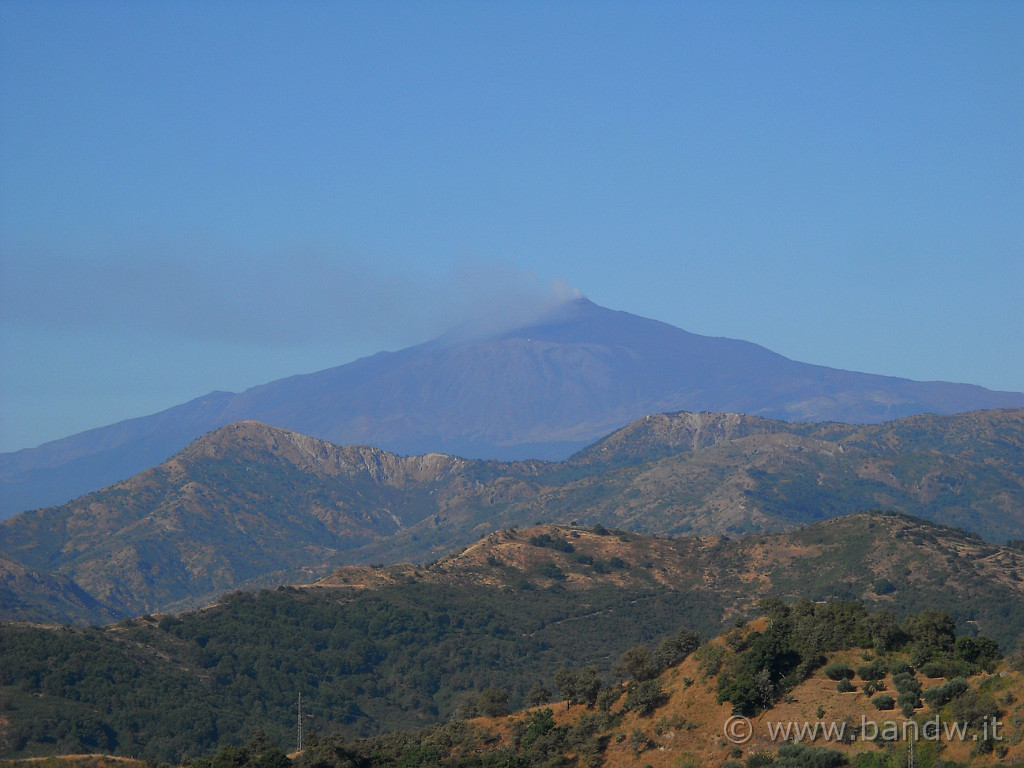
x=691, y=728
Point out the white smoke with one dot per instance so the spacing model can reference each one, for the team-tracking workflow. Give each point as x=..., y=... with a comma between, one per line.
x=299, y=297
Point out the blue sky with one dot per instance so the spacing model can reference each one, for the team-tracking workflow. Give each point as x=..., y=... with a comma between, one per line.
x=213, y=195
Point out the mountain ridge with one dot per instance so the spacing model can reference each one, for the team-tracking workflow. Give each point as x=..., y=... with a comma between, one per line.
x=250, y=505
x=542, y=390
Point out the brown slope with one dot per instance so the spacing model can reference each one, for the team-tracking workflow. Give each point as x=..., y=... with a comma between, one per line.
x=689, y=728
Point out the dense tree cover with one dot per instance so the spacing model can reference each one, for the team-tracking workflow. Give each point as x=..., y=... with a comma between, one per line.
x=178, y=688
x=365, y=662
x=764, y=665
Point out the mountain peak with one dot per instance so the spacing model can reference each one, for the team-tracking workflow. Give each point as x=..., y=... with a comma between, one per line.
x=556, y=380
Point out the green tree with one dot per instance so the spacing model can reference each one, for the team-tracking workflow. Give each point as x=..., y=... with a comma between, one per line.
x=541, y=723
x=883, y=701
x=588, y=685
x=773, y=608
x=645, y=697
x=981, y=651
x=771, y=652
x=673, y=650
x=331, y=752
x=636, y=663
x=933, y=635
x=538, y=695
x=566, y=683
x=838, y=670
x=493, y=702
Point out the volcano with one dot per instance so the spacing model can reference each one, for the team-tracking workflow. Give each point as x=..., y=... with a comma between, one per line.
x=542, y=390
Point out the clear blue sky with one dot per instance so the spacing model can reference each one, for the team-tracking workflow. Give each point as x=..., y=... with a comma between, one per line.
x=213, y=195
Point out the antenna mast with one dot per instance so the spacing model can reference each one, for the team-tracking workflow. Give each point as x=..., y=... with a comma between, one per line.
x=301, y=745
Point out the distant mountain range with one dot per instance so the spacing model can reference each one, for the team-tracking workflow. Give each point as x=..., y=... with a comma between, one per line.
x=250, y=505
x=543, y=390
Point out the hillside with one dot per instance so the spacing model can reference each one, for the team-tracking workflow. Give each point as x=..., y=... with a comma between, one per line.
x=542, y=390
x=32, y=596
x=727, y=473
x=884, y=560
x=250, y=505
x=247, y=505
x=682, y=723
x=375, y=649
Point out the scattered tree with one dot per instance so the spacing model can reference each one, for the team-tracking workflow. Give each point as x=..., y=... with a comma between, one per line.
x=493, y=702
x=538, y=695
x=636, y=663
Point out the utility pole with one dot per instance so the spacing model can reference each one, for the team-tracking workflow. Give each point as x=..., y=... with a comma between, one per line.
x=301, y=744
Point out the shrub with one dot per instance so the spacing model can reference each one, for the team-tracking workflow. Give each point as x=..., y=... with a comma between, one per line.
x=871, y=687
x=876, y=670
x=900, y=667
x=710, y=658
x=550, y=570
x=645, y=697
x=974, y=708
x=933, y=670
x=884, y=701
x=943, y=694
x=493, y=702
x=907, y=683
x=540, y=723
x=907, y=703
x=838, y=671
x=845, y=686
x=800, y=755
x=554, y=542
